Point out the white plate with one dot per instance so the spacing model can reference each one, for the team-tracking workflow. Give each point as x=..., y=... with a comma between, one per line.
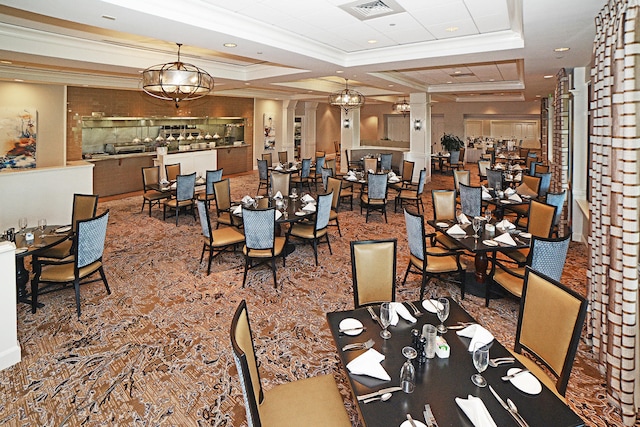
x=442, y=224
x=490, y=242
x=406, y=423
x=527, y=382
x=301, y=213
x=505, y=202
x=21, y=250
x=525, y=235
x=430, y=305
x=63, y=229
x=351, y=323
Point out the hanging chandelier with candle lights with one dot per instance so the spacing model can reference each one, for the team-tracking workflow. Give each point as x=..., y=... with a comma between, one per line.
x=402, y=107
x=347, y=99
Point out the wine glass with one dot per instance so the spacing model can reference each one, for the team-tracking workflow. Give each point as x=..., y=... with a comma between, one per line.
x=294, y=193
x=408, y=371
x=22, y=223
x=477, y=224
x=42, y=223
x=443, y=313
x=480, y=361
x=385, y=319
x=488, y=215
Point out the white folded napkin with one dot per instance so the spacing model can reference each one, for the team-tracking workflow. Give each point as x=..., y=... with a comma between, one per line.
x=399, y=310
x=517, y=167
x=515, y=197
x=278, y=168
x=351, y=173
x=506, y=239
x=278, y=195
x=502, y=156
x=200, y=181
x=278, y=214
x=475, y=410
x=462, y=219
x=506, y=224
x=486, y=195
x=371, y=171
x=310, y=207
x=368, y=363
x=509, y=191
x=478, y=335
x=307, y=198
x=163, y=182
x=174, y=186
x=518, y=177
x=351, y=178
x=499, y=166
x=247, y=199
x=293, y=168
x=391, y=174
x=394, y=179
x=237, y=210
x=456, y=230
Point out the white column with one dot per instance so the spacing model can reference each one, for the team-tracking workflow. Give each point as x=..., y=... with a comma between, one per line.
x=288, y=120
x=420, y=139
x=349, y=136
x=580, y=148
x=308, y=149
x=9, y=346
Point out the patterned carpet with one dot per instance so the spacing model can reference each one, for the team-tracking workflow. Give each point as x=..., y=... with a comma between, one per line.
x=156, y=351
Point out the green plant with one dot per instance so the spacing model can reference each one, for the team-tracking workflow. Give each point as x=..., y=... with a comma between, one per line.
x=451, y=142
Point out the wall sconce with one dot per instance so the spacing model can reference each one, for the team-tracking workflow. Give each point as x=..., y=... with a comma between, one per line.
x=346, y=123
x=417, y=124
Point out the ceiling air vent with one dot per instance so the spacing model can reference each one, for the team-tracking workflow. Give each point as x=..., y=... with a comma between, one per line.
x=372, y=9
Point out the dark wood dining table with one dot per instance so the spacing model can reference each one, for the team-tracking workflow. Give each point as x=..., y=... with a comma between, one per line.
x=440, y=381
x=440, y=158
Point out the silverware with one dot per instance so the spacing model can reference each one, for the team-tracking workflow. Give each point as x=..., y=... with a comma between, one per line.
x=514, y=409
x=411, y=421
x=429, y=419
x=494, y=363
x=383, y=398
x=359, y=345
x=515, y=374
x=374, y=316
x=379, y=393
x=416, y=312
x=505, y=406
x=359, y=328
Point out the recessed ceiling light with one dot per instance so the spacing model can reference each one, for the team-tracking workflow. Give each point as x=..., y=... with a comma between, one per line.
x=457, y=72
x=247, y=83
x=18, y=80
x=6, y=62
x=492, y=80
x=109, y=17
x=392, y=25
x=538, y=96
x=548, y=76
x=561, y=49
x=339, y=72
x=372, y=41
x=230, y=45
x=452, y=29
x=449, y=82
x=390, y=85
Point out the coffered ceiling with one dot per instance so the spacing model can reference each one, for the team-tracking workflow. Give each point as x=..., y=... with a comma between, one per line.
x=456, y=50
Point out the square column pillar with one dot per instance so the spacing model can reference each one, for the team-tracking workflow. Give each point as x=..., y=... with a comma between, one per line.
x=420, y=136
x=349, y=136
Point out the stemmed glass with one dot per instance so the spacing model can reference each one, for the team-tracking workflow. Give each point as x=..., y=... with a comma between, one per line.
x=385, y=319
x=480, y=361
x=443, y=313
x=488, y=215
x=22, y=223
x=42, y=223
x=408, y=371
x=294, y=193
x=477, y=224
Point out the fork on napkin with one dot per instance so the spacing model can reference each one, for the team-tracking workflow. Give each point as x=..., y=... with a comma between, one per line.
x=478, y=335
x=368, y=363
x=476, y=411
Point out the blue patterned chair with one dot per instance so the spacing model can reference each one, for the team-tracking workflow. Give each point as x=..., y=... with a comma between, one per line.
x=263, y=175
x=326, y=173
x=373, y=271
x=185, y=194
x=376, y=196
x=470, y=200
x=303, y=178
x=545, y=183
x=412, y=194
x=309, y=402
x=494, y=179
x=85, y=260
x=215, y=241
x=557, y=200
x=212, y=177
x=385, y=161
x=261, y=243
x=430, y=262
x=316, y=230
x=317, y=170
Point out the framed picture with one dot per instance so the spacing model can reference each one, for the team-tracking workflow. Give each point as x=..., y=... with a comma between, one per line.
x=18, y=135
x=269, y=131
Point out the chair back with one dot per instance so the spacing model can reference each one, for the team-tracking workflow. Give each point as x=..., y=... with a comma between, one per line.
x=494, y=179
x=483, y=165
x=533, y=182
x=545, y=183
x=454, y=157
x=373, y=271
x=330, y=164
x=422, y=180
x=444, y=205
x=523, y=153
x=540, y=168
x=531, y=164
x=326, y=173
x=283, y=157
x=222, y=192
x=336, y=147
x=415, y=234
x=246, y=363
x=537, y=317
x=84, y=207
x=461, y=155
x=150, y=177
x=280, y=182
x=185, y=187
x=557, y=200
x=370, y=163
x=323, y=210
x=548, y=256
x=471, y=200
x=172, y=171
x=319, y=163
x=320, y=154
x=377, y=186
x=205, y=222
x=306, y=168
x=334, y=186
x=407, y=171
x=259, y=228
x=212, y=176
x=541, y=216
x=268, y=158
x=263, y=170
x=385, y=161
x=91, y=235
x=461, y=176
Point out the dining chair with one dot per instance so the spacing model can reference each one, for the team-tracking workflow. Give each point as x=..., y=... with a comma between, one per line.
x=326, y=173
x=385, y=161
x=407, y=172
x=523, y=153
x=565, y=317
x=215, y=241
x=461, y=176
x=531, y=163
x=336, y=148
x=352, y=165
x=376, y=196
x=483, y=165
x=320, y=153
x=334, y=186
x=151, y=195
x=283, y=157
x=185, y=193
x=317, y=170
x=431, y=262
x=494, y=179
x=268, y=158
x=172, y=171
x=263, y=175
x=546, y=255
x=373, y=271
x=539, y=224
x=212, y=176
x=412, y=194
x=470, y=200
x=557, y=200
x=545, y=183
x=316, y=230
x=303, y=178
x=280, y=182
x=529, y=183
x=331, y=164
x=444, y=210
x=453, y=161
x=85, y=260
x=222, y=191
x=540, y=168
x=313, y=402
x=370, y=164
x=261, y=243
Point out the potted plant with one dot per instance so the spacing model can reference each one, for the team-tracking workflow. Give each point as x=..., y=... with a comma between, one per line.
x=451, y=142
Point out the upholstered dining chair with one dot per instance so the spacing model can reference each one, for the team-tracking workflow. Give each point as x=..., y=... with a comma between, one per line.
x=317, y=170
x=352, y=164
x=280, y=182
x=546, y=256
x=222, y=191
x=316, y=230
x=385, y=161
x=483, y=165
x=336, y=148
x=334, y=186
x=557, y=200
x=172, y=171
x=331, y=164
x=444, y=210
x=376, y=196
x=565, y=317
x=470, y=200
x=453, y=161
x=283, y=157
x=261, y=243
x=325, y=173
x=373, y=271
x=151, y=194
x=407, y=172
x=430, y=262
x=84, y=261
x=311, y=402
x=540, y=217
x=540, y=168
x=461, y=176
x=545, y=183
x=215, y=241
x=370, y=164
x=494, y=179
x=263, y=175
x=412, y=194
x=212, y=176
x=303, y=178
x=268, y=158
x=185, y=194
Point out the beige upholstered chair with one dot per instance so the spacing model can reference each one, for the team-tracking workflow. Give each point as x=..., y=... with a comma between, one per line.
x=334, y=186
x=483, y=165
x=444, y=210
x=268, y=158
x=540, y=168
x=537, y=317
x=84, y=261
x=283, y=157
x=373, y=271
x=280, y=182
x=222, y=191
x=407, y=172
x=370, y=164
x=172, y=171
x=461, y=176
x=216, y=241
x=316, y=230
x=310, y=402
x=150, y=181
x=539, y=224
x=185, y=196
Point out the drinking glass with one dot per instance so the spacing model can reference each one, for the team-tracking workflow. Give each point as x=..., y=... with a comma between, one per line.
x=42, y=223
x=480, y=361
x=294, y=193
x=385, y=319
x=408, y=371
x=443, y=313
x=488, y=215
x=22, y=223
x=477, y=225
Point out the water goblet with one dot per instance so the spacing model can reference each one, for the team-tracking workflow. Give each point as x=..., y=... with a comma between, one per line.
x=477, y=225
x=294, y=193
x=42, y=223
x=443, y=313
x=22, y=223
x=385, y=319
x=480, y=361
x=488, y=215
x=408, y=371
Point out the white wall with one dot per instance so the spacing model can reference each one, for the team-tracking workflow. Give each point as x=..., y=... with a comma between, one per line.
x=9, y=346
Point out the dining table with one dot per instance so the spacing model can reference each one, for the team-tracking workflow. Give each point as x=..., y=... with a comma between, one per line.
x=440, y=158
x=439, y=381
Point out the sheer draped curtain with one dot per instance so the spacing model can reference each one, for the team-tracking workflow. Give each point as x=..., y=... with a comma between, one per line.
x=614, y=208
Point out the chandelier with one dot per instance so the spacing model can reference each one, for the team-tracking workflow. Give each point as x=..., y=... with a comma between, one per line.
x=402, y=107
x=176, y=81
x=347, y=99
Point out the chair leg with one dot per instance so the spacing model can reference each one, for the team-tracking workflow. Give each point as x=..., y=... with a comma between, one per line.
x=247, y=261
x=463, y=283
x=273, y=268
x=329, y=243
x=144, y=201
x=104, y=279
x=384, y=211
x=338, y=225
x=76, y=285
x=210, y=260
x=34, y=293
x=315, y=249
x=406, y=274
x=204, y=245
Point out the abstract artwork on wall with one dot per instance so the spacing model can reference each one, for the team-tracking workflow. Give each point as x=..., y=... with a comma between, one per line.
x=18, y=130
x=269, y=131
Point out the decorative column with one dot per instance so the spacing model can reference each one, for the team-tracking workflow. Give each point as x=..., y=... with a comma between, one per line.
x=288, y=122
x=308, y=149
x=349, y=134
x=9, y=346
x=420, y=136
